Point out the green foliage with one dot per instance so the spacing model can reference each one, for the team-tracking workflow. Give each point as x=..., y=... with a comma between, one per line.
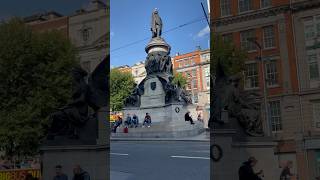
x=231, y=57
x=34, y=80
x=121, y=85
x=179, y=79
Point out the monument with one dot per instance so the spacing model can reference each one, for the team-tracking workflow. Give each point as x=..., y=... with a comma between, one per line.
x=157, y=95
x=237, y=131
x=78, y=133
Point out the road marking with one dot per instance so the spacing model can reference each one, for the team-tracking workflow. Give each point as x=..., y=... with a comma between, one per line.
x=119, y=154
x=189, y=157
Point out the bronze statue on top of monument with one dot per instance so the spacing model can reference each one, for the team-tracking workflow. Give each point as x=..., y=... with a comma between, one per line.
x=156, y=24
x=158, y=65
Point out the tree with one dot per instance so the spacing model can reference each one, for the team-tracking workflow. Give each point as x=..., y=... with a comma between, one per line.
x=34, y=80
x=231, y=57
x=121, y=85
x=179, y=79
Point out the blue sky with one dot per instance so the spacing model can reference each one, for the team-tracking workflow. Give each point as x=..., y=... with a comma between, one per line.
x=130, y=22
x=28, y=7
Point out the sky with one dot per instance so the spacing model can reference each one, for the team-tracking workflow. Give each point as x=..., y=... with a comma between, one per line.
x=23, y=8
x=130, y=27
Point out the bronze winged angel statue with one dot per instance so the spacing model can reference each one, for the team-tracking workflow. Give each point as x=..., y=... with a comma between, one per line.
x=66, y=120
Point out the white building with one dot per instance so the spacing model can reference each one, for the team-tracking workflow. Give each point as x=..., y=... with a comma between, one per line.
x=89, y=32
x=138, y=71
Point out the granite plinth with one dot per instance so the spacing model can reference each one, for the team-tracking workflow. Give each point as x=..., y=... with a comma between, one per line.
x=152, y=96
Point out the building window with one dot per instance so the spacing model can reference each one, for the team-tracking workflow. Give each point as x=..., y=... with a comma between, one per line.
x=195, y=84
x=309, y=32
x=208, y=82
x=245, y=44
x=316, y=114
x=251, y=79
x=186, y=63
x=136, y=71
x=272, y=74
x=225, y=7
x=85, y=34
x=207, y=71
x=180, y=64
x=275, y=116
x=265, y=3
x=194, y=73
x=227, y=38
x=268, y=37
x=245, y=5
x=313, y=66
x=195, y=98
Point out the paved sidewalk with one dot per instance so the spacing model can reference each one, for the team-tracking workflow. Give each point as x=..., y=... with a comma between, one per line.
x=205, y=137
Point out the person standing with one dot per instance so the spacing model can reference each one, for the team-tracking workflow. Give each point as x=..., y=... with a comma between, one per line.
x=59, y=175
x=80, y=174
x=286, y=173
x=246, y=170
x=147, y=120
x=187, y=117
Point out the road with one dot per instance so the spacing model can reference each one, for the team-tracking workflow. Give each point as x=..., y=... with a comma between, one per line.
x=159, y=160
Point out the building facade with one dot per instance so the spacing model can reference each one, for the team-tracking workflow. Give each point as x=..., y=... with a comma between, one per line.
x=195, y=66
x=89, y=32
x=286, y=31
x=48, y=21
x=138, y=71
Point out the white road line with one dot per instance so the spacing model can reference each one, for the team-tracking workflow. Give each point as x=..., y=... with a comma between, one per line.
x=119, y=154
x=189, y=157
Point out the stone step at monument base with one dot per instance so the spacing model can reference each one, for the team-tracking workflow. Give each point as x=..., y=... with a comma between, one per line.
x=161, y=130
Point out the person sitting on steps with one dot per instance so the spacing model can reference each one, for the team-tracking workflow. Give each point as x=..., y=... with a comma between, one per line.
x=187, y=117
x=147, y=120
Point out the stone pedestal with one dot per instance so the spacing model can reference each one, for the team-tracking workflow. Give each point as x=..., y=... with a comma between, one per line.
x=154, y=94
x=235, y=152
x=167, y=122
x=91, y=158
x=103, y=127
x=90, y=151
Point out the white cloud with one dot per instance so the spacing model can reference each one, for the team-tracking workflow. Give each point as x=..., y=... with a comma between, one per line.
x=203, y=32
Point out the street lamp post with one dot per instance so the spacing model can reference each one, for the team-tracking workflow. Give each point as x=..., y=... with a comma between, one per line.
x=264, y=77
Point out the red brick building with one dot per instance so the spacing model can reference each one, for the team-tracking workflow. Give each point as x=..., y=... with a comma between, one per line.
x=282, y=29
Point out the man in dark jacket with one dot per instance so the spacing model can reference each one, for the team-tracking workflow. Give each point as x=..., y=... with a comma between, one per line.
x=187, y=117
x=246, y=170
x=80, y=174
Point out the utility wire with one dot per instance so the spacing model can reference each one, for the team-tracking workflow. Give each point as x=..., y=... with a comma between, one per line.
x=169, y=30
